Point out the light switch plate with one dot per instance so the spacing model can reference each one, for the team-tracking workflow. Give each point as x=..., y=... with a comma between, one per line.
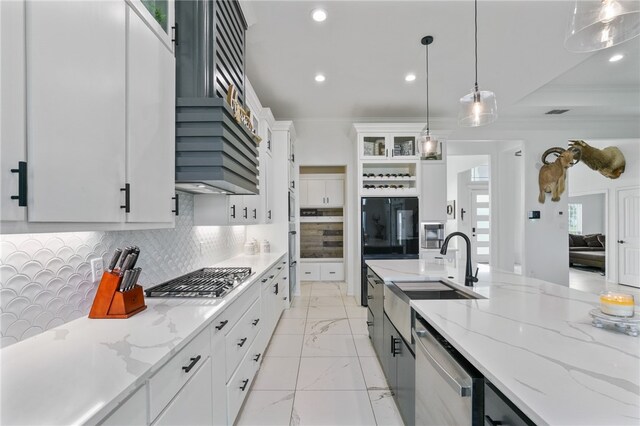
x=97, y=268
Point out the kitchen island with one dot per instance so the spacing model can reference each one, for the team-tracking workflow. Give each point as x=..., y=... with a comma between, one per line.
x=79, y=372
x=534, y=341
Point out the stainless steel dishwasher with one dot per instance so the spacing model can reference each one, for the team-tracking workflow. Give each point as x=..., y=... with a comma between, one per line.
x=449, y=390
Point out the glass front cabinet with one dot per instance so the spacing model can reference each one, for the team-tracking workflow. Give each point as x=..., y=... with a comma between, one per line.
x=385, y=146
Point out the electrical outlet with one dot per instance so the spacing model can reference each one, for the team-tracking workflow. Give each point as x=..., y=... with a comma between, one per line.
x=97, y=268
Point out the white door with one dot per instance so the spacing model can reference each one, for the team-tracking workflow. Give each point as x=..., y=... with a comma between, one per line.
x=150, y=124
x=75, y=84
x=13, y=142
x=480, y=240
x=629, y=237
x=334, y=192
x=316, y=192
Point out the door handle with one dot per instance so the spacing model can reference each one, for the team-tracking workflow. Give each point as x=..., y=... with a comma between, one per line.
x=177, y=205
x=22, y=184
x=127, y=198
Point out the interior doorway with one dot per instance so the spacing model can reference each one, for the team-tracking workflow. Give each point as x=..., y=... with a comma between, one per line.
x=628, y=243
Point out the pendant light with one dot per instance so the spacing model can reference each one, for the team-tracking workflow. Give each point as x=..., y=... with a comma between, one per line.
x=596, y=25
x=427, y=144
x=478, y=107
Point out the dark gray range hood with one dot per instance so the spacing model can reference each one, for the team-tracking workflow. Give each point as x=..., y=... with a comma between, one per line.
x=214, y=153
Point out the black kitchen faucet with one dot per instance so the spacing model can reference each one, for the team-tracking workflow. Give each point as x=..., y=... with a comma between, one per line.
x=469, y=278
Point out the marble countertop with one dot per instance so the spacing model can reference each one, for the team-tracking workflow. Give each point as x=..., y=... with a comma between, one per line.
x=78, y=372
x=534, y=341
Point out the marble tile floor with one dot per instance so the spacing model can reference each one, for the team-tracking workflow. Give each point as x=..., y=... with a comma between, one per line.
x=320, y=367
x=594, y=282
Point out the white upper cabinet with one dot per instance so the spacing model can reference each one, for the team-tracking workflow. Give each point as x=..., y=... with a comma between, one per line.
x=150, y=124
x=159, y=16
x=322, y=191
x=387, y=146
x=75, y=56
x=13, y=142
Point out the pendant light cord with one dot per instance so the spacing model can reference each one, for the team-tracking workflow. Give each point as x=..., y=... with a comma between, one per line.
x=427, y=89
x=476, y=39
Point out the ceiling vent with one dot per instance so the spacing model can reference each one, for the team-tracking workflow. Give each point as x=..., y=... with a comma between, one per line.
x=556, y=111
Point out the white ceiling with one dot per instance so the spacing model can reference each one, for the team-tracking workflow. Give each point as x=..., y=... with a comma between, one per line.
x=365, y=48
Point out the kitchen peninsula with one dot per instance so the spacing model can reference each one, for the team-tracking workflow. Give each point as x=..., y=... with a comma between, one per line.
x=534, y=341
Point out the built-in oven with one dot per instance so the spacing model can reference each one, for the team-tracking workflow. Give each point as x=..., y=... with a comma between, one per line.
x=449, y=390
x=292, y=207
x=293, y=262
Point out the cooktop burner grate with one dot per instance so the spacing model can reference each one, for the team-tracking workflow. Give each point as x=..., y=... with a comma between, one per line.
x=205, y=282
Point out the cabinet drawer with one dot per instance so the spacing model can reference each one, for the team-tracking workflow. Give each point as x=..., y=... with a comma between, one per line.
x=309, y=272
x=166, y=383
x=227, y=319
x=332, y=271
x=240, y=383
x=240, y=338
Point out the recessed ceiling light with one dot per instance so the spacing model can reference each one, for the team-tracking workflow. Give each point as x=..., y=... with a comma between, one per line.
x=410, y=77
x=320, y=78
x=616, y=58
x=318, y=15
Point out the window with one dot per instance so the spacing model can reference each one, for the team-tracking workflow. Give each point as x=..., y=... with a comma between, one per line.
x=158, y=8
x=575, y=219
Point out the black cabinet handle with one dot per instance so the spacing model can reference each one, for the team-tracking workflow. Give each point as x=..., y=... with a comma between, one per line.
x=242, y=342
x=245, y=382
x=255, y=213
x=394, y=342
x=279, y=268
x=369, y=324
x=127, y=198
x=233, y=211
x=369, y=297
x=221, y=325
x=271, y=277
x=276, y=287
x=265, y=280
x=22, y=184
x=245, y=212
x=269, y=214
x=620, y=241
x=175, y=34
x=194, y=361
x=177, y=205
x=492, y=422
x=257, y=357
x=256, y=321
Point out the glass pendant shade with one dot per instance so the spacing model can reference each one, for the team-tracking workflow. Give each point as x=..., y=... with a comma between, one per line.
x=597, y=25
x=429, y=146
x=477, y=108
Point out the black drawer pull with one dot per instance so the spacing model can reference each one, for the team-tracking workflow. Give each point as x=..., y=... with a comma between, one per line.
x=276, y=287
x=127, y=198
x=233, y=211
x=255, y=321
x=257, y=357
x=221, y=325
x=193, y=363
x=242, y=342
x=369, y=297
x=22, y=184
x=369, y=324
x=177, y=205
x=492, y=422
x=271, y=277
x=265, y=280
x=279, y=268
x=245, y=213
x=245, y=383
x=255, y=213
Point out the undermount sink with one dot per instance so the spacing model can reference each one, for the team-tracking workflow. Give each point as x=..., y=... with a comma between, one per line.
x=431, y=290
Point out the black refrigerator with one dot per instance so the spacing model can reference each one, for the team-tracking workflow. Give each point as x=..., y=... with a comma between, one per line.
x=390, y=230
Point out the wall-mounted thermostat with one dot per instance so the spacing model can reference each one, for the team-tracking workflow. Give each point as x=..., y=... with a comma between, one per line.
x=534, y=214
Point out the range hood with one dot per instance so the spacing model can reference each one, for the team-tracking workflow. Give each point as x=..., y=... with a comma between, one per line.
x=214, y=153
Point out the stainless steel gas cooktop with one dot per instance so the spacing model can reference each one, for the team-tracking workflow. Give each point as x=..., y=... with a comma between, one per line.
x=206, y=282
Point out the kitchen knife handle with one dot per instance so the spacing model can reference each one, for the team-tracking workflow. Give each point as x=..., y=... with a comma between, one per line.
x=176, y=209
x=193, y=363
x=114, y=259
x=127, y=198
x=123, y=256
x=126, y=278
x=22, y=184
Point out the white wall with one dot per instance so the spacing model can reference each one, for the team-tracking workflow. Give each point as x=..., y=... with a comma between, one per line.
x=583, y=180
x=593, y=212
x=329, y=143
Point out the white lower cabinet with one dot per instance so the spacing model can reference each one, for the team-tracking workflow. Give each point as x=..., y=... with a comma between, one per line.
x=239, y=384
x=322, y=271
x=309, y=271
x=192, y=405
x=133, y=411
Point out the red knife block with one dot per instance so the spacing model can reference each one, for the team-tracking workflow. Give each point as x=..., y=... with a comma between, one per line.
x=111, y=303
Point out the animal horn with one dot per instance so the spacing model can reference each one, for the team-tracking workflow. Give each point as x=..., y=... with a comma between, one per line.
x=577, y=155
x=555, y=150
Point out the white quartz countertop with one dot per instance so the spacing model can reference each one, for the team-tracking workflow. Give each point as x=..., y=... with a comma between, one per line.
x=535, y=342
x=80, y=371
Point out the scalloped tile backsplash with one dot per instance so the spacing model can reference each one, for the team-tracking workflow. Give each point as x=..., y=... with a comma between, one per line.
x=46, y=278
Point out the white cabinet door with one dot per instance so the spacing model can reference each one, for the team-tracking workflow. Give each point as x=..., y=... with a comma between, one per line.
x=192, y=405
x=13, y=142
x=75, y=110
x=265, y=191
x=252, y=202
x=303, y=191
x=334, y=192
x=150, y=124
x=433, y=192
x=316, y=192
